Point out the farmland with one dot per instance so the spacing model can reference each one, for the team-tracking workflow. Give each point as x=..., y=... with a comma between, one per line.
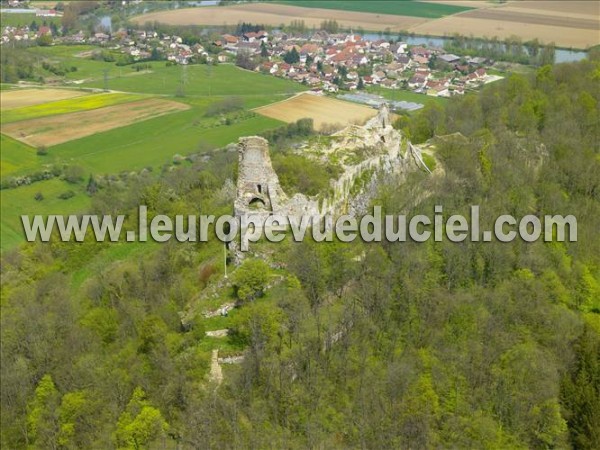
x=568, y=24
x=153, y=142
x=277, y=14
x=573, y=24
x=400, y=8
x=323, y=110
x=71, y=105
x=55, y=130
x=103, y=133
x=147, y=143
x=28, y=97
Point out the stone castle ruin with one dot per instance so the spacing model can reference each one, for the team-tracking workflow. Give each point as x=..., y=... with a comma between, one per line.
x=258, y=189
x=260, y=194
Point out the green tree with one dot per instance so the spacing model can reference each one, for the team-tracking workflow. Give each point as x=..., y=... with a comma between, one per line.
x=291, y=56
x=580, y=391
x=141, y=424
x=74, y=174
x=74, y=412
x=45, y=40
x=155, y=54
x=250, y=279
x=42, y=418
x=264, y=53
x=92, y=185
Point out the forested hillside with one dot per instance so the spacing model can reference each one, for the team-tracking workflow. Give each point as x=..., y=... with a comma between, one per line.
x=392, y=345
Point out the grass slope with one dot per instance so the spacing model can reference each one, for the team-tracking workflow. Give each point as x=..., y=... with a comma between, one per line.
x=395, y=7
x=21, y=201
x=198, y=80
x=16, y=156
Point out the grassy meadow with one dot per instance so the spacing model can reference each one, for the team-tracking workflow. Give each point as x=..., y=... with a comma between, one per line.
x=195, y=80
x=22, y=201
x=22, y=19
x=160, y=79
x=16, y=156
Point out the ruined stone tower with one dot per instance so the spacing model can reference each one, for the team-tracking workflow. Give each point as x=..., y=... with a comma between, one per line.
x=258, y=189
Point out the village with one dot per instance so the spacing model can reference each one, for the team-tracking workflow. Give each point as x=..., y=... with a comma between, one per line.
x=333, y=62
x=324, y=62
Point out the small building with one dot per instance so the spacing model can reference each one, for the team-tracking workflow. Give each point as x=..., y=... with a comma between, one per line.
x=449, y=58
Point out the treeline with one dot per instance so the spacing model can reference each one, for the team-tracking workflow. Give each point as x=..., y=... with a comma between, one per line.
x=280, y=136
x=370, y=345
x=73, y=12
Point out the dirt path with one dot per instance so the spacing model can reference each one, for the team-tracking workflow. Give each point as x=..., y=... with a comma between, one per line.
x=216, y=375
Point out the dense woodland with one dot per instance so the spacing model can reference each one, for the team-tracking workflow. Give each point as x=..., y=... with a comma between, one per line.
x=395, y=345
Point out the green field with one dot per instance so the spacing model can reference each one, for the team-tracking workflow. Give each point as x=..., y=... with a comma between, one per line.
x=22, y=19
x=71, y=55
x=70, y=105
x=16, y=156
x=395, y=7
x=21, y=201
x=195, y=80
x=153, y=142
x=149, y=143
x=111, y=252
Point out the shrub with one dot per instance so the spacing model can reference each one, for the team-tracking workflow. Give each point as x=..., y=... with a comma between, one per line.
x=299, y=174
x=224, y=106
x=66, y=195
x=74, y=174
x=250, y=280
